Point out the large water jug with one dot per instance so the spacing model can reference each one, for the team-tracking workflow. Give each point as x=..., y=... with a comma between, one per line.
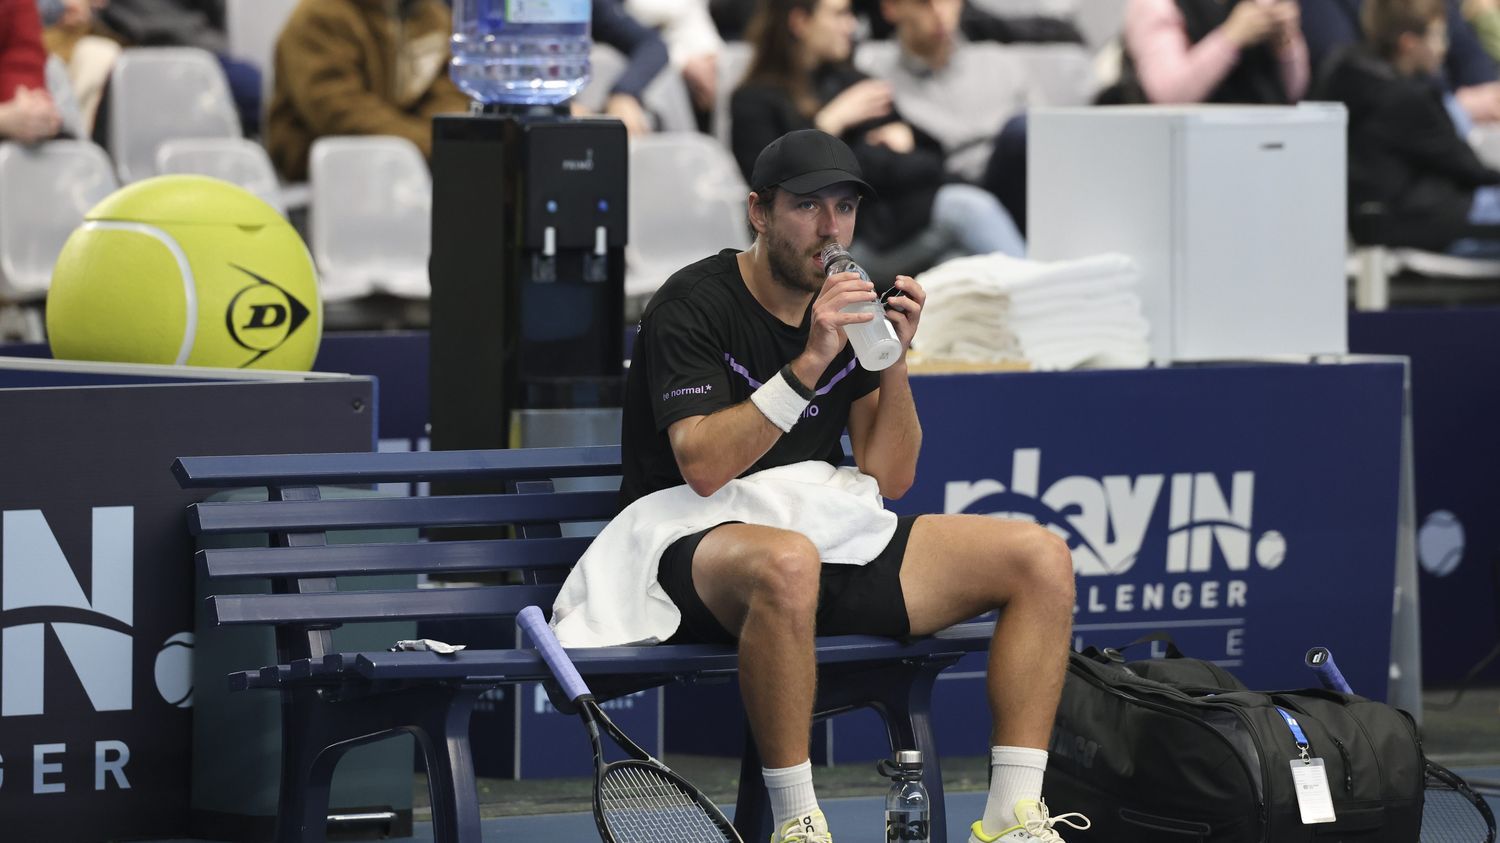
x=520, y=52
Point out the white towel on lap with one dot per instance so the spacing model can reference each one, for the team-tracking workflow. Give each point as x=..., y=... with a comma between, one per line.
x=612, y=596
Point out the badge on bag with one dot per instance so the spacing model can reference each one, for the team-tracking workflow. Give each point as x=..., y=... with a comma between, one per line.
x=1314, y=798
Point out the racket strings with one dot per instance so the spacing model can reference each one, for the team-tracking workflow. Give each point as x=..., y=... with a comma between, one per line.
x=640, y=804
x=1448, y=815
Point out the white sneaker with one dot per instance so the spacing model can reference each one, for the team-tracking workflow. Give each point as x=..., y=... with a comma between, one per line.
x=1032, y=823
x=812, y=828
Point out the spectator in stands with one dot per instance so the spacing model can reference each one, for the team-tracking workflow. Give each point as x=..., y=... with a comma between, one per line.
x=693, y=43
x=27, y=113
x=1413, y=181
x=1468, y=71
x=1190, y=51
x=69, y=32
x=946, y=89
x=359, y=67
x=646, y=55
x=800, y=78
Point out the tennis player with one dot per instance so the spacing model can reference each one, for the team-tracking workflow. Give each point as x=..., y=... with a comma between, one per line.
x=741, y=365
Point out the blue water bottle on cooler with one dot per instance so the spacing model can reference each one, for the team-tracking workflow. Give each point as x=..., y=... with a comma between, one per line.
x=520, y=52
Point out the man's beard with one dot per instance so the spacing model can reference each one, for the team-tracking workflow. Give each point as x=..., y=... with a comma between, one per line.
x=788, y=267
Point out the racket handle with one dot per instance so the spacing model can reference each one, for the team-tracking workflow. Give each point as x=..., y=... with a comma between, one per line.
x=1321, y=662
x=546, y=643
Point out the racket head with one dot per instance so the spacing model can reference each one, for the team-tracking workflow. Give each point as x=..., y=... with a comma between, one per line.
x=643, y=801
x=1452, y=811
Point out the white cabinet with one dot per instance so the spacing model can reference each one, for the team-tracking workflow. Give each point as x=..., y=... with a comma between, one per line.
x=1235, y=215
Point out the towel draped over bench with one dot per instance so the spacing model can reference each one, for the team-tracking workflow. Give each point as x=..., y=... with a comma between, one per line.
x=612, y=596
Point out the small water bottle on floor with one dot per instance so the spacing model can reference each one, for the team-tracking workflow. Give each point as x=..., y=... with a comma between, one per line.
x=906, y=806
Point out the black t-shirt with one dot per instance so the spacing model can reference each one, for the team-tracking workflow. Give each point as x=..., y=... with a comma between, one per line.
x=705, y=344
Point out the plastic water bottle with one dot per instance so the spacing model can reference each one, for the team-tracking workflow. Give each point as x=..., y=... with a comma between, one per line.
x=520, y=52
x=875, y=342
x=906, y=806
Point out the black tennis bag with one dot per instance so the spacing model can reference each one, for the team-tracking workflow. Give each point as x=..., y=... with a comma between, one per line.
x=1177, y=749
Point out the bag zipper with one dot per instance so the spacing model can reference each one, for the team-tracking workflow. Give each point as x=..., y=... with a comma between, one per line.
x=1348, y=766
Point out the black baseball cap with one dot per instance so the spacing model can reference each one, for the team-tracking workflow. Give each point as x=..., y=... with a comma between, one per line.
x=806, y=161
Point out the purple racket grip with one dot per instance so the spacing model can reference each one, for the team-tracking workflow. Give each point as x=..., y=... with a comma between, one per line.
x=1321, y=661
x=546, y=643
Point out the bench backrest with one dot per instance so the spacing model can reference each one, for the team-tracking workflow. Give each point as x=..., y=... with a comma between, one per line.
x=304, y=567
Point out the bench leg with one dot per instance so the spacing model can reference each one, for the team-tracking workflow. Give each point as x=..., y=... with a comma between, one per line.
x=444, y=739
x=752, y=805
x=901, y=694
x=906, y=709
x=302, y=809
x=316, y=733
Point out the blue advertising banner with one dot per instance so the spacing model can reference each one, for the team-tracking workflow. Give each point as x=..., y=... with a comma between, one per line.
x=1455, y=377
x=551, y=743
x=1250, y=511
x=97, y=609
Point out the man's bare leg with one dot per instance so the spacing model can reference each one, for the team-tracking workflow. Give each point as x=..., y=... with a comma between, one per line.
x=762, y=585
x=959, y=566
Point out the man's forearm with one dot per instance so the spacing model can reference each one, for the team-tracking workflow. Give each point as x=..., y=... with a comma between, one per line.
x=896, y=435
x=720, y=447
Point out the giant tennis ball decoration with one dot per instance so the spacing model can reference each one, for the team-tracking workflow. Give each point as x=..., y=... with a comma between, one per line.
x=187, y=270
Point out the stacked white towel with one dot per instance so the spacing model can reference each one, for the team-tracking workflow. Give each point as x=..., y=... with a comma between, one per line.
x=1055, y=315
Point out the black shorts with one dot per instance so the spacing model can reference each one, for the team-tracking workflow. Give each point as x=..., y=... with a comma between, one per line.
x=852, y=599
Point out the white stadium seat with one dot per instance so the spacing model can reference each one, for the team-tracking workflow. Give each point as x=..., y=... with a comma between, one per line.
x=671, y=228
x=45, y=191
x=371, y=217
x=235, y=160
x=158, y=94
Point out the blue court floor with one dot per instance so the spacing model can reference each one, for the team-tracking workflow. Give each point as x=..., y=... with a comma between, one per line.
x=855, y=820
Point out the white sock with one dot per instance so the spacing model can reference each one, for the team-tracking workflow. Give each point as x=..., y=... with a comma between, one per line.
x=791, y=790
x=1015, y=774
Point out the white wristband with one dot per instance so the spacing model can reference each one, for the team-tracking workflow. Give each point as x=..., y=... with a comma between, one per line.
x=779, y=402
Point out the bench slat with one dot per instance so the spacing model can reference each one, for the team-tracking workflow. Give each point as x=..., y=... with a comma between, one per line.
x=315, y=469
x=676, y=659
x=405, y=604
x=392, y=558
x=216, y=518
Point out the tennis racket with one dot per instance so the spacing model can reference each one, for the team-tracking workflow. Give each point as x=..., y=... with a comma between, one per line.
x=639, y=799
x=1451, y=811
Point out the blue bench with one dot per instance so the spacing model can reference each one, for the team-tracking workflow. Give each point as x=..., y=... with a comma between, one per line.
x=333, y=701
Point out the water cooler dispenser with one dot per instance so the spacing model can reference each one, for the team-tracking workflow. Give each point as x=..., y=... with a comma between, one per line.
x=528, y=318
x=528, y=238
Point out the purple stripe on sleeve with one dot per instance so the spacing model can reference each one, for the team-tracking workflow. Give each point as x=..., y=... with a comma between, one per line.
x=832, y=382
x=755, y=384
x=743, y=372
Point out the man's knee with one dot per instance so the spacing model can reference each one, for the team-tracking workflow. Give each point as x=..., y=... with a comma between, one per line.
x=787, y=572
x=1047, y=565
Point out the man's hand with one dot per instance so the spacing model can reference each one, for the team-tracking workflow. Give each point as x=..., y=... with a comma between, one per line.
x=864, y=100
x=701, y=73
x=905, y=311
x=1249, y=24
x=897, y=137
x=1288, y=18
x=29, y=116
x=826, y=339
x=1480, y=102
x=629, y=111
